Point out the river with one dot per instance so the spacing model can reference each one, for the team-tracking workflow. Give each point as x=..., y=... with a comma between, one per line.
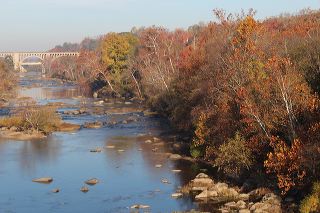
x=126, y=178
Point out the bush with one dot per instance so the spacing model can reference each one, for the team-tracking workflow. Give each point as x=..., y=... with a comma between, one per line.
x=312, y=202
x=233, y=156
x=43, y=119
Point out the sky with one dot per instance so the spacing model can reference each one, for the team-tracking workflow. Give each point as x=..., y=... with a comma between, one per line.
x=39, y=25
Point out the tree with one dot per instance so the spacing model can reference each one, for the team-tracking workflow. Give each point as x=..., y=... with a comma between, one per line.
x=116, y=50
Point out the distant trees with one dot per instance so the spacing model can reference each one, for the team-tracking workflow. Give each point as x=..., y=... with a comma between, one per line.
x=7, y=76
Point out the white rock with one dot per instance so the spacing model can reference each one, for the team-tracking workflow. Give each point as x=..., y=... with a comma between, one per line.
x=176, y=195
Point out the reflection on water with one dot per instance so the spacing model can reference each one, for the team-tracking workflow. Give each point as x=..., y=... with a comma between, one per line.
x=126, y=178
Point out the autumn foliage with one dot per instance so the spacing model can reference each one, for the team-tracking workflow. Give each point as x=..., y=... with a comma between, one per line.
x=246, y=90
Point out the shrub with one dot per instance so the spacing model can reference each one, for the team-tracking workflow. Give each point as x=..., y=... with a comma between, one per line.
x=41, y=119
x=234, y=156
x=312, y=202
x=286, y=162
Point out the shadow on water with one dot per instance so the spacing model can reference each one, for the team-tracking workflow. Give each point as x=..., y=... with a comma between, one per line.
x=127, y=172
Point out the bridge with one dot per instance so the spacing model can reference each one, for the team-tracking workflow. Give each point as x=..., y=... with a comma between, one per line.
x=19, y=57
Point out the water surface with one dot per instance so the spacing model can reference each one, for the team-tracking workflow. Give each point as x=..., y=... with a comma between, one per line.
x=126, y=178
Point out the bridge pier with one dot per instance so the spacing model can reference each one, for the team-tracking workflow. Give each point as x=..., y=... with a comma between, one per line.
x=43, y=70
x=22, y=69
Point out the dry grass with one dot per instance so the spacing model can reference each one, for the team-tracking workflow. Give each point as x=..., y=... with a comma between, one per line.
x=43, y=119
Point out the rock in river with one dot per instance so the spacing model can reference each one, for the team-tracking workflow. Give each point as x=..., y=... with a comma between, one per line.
x=177, y=195
x=139, y=206
x=96, y=150
x=92, y=181
x=93, y=125
x=43, y=180
x=84, y=189
x=55, y=190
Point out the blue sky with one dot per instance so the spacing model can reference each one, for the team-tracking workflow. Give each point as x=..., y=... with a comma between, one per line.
x=37, y=25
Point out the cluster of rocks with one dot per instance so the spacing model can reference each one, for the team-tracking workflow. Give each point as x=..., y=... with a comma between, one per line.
x=93, y=125
x=231, y=198
x=75, y=112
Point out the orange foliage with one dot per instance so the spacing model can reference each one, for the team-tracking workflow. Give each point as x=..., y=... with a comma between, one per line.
x=286, y=162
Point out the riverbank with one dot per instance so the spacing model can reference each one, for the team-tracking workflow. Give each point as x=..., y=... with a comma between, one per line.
x=167, y=150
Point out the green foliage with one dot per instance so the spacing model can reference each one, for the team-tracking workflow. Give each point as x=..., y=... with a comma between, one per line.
x=116, y=50
x=196, y=151
x=234, y=156
x=311, y=203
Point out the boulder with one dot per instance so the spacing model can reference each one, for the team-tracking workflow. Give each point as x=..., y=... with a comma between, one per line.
x=139, y=206
x=241, y=204
x=202, y=179
x=202, y=175
x=257, y=194
x=198, y=188
x=43, y=180
x=177, y=195
x=206, y=194
x=270, y=203
x=84, y=189
x=92, y=181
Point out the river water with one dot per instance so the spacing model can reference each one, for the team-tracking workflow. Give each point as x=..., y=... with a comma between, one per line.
x=126, y=178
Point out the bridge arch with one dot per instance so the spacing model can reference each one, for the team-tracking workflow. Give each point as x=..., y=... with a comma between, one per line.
x=31, y=56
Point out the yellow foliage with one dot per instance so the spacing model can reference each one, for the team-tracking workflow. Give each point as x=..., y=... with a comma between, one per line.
x=201, y=131
x=11, y=121
x=312, y=202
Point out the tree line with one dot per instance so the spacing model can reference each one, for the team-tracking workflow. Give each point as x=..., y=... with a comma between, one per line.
x=245, y=90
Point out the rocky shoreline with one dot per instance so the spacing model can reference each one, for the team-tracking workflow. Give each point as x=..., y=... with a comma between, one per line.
x=231, y=199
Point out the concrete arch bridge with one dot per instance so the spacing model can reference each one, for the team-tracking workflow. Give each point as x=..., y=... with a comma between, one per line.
x=19, y=58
